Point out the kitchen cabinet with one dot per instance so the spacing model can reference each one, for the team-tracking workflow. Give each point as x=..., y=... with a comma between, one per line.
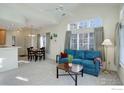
x=2, y=37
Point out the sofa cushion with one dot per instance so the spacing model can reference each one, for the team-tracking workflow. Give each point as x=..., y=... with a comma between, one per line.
x=77, y=61
x=79, y=54
x=88, y=63
x=63, y=60
x=92, y=54
x=70, y=52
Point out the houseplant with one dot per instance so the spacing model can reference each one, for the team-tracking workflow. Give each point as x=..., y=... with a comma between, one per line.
x=70, y=58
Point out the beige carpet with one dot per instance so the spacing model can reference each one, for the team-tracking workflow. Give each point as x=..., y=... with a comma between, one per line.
x=44, y=73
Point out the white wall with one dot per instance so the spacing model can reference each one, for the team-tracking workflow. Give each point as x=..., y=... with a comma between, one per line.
x=110, y=15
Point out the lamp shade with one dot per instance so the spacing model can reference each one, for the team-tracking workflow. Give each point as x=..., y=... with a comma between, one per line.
x=107, y=42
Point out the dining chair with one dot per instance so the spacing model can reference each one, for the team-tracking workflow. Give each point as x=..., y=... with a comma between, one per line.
x=38, y=55
x=31, y=54
x=43, y=52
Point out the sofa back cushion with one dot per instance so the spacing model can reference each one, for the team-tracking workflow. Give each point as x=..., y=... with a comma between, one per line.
x=92, y=54
x=70, y=52
x=80, y=54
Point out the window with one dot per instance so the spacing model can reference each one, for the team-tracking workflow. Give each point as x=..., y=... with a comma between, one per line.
x=90, y=23
x=91, y=41
x=74, y=41
x=33, y=40
x=73, y=26
x=42, y=41
x=83, y=24
x=82, y=41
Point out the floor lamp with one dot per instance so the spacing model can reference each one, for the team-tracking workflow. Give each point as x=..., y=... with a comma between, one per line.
x=106, y=43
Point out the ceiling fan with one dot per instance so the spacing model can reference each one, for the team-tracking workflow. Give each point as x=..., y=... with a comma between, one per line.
x=60, y=10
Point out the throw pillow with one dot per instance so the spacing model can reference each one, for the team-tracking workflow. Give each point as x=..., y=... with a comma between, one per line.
x=64, y=55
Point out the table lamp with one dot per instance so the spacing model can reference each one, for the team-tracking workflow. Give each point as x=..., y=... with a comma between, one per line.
x=106, y=43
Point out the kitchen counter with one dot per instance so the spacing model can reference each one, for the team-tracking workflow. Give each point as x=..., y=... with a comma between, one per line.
x=8, y=58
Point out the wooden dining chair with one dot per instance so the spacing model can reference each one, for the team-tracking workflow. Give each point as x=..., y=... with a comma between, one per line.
x=43, y=52
x=38, y=55
x=31, y=54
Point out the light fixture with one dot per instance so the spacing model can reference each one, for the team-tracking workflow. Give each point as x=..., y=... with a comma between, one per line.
x=31, y=35
x=106, y=43
x=60, y=10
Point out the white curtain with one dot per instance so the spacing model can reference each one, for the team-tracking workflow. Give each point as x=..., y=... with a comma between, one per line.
x=99, y=38
x=67, y=39
x=117, y=45
x=122, y=45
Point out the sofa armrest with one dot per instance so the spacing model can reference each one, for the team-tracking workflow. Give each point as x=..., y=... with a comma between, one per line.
x=97, y=62
x=58, y=57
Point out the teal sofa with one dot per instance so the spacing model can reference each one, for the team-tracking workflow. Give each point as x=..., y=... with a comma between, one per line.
x=87, y=58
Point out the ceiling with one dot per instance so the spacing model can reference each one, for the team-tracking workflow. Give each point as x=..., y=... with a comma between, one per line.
x=33, y=14
x=37, y=15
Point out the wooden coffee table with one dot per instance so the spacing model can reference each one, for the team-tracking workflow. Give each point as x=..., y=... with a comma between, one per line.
x=67, y=69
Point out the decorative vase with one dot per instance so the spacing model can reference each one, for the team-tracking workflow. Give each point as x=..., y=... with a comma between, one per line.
x=70, y=64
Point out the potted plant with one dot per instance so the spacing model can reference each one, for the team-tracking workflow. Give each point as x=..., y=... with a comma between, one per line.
x=70, y=58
